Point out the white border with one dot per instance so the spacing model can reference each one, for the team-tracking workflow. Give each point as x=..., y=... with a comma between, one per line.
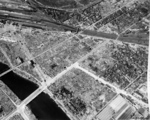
x=148, y=72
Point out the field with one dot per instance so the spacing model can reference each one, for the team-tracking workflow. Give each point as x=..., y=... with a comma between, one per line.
x=114, y=63
x=80, y=93
x=6, y=105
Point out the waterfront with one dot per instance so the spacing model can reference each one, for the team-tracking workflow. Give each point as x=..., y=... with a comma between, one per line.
x=44, y=108
x=19, y=85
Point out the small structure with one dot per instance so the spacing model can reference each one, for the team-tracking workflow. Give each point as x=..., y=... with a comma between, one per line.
x=19, y=60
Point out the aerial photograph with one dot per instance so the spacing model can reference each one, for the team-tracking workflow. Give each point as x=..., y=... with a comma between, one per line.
x=74, y=59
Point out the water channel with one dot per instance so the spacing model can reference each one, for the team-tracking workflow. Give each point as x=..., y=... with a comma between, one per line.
x=43, y=107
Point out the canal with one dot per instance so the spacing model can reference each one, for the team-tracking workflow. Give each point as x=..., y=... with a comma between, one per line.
x=19, y=85
x=44, y=108
x=3, y=68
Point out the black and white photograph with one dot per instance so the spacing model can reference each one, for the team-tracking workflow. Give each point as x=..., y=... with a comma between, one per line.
x=74, y=60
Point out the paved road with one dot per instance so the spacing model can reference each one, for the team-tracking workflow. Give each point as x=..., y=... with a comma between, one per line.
x=111, y=85
x=27, y=100
x=102, y=35
x=39, y=90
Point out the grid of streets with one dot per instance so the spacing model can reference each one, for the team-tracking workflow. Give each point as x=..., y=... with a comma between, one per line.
x=94, y=60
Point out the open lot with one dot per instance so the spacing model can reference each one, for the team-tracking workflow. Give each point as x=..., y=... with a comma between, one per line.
x=82, y=95
x=114, y=63
x=6, y=105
